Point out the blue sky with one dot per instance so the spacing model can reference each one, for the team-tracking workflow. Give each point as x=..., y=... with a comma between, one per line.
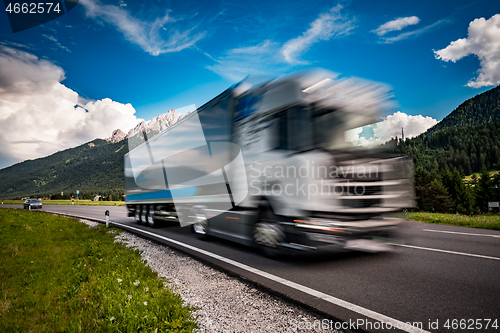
x=159, y=55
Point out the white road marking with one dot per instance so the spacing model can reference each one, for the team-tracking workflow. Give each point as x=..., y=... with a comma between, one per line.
x=353, y=307
x=315, y=293
x=334, y=300
x=462, y=233
x=446, y=251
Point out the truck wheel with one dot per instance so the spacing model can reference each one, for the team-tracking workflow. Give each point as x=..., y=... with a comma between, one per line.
x=268, y=233
x=137, y=214
x=151, y=217
x=200, y=228
x=144, y=215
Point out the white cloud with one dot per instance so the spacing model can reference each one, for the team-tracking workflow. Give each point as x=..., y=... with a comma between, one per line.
x=483, y=40
x=413, y=33
x=412, y=125
x=263, y=48
x=153, y=37
x=38, y=116
x=391, y=126
x=396, y=25
x=256, y=60
x=268, y=58
x=56, y=42
x=353, y=135
x=401, y=23
x=326, y=26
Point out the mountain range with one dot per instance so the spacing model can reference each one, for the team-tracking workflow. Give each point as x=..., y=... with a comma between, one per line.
x=155, y=125
x=96, y=167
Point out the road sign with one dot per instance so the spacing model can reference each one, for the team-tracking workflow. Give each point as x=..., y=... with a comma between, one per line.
x=77, y=192
x=493, y=204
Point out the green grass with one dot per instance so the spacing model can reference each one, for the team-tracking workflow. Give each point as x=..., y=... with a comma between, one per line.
x=59, y=275
x=486, y=221
x=68, y=202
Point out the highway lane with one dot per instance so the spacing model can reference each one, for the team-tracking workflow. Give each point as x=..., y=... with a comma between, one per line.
x=407, y=284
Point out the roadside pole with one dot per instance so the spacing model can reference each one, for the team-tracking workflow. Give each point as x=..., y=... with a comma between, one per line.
x=498, y=187
x=107, y=218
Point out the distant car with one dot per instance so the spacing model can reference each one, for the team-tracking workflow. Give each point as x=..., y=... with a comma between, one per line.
x=33, y=203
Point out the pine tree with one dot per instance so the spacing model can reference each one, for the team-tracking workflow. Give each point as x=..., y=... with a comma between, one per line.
x=460, y=194
x=422, y=180
x=440, y=199
x=464, y=199
x=496, y=185
x=484, y=190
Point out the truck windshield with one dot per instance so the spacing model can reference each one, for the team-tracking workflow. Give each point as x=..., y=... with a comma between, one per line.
x=328, y=129
x=304, y=128
x=293, y=129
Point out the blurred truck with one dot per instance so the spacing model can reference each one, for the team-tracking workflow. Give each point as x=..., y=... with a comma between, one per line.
x=271, y=166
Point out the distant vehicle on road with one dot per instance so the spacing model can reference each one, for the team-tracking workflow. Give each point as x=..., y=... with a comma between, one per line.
x=33, y=203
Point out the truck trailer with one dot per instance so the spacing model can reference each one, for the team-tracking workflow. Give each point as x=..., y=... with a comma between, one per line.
x=270, y=166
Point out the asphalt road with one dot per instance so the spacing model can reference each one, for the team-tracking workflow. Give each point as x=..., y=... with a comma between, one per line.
x=439, y=274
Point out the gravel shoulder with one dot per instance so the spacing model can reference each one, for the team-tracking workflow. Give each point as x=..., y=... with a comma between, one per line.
x=225, y=303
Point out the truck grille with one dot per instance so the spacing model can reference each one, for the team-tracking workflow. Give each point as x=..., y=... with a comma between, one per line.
x=361, y=203
x=389, y=185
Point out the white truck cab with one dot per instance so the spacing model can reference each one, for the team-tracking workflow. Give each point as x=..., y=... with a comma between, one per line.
x=270, y=166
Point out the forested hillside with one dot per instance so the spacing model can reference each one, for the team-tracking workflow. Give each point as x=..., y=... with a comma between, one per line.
x=465, y=149
x=93, y=168
x=482, y=109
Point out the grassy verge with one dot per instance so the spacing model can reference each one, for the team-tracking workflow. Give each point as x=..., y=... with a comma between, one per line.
x=486, y=221
x=68, y=202
x=57, y=274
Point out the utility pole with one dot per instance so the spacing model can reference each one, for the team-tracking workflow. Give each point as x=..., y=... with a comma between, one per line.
x=498, y=186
